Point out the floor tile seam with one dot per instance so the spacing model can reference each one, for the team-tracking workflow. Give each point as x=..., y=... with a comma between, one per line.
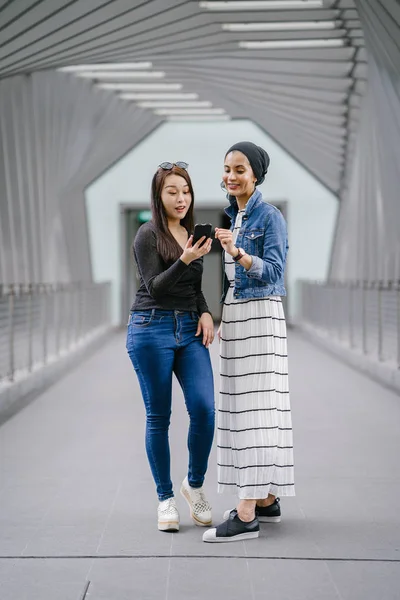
x=327, y=559
x=85, y=590
x=101, y=537
x=332, y=578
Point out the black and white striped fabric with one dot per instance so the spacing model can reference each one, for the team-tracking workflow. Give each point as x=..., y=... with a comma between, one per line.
x=254, y=439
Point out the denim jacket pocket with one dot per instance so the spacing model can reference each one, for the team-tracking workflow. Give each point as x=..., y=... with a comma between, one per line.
x=253, y=240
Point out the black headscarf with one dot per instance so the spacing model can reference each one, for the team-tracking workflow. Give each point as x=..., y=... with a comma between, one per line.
x=257, y=157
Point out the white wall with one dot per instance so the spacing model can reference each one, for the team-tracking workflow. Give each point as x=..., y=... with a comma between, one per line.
x=311, y=208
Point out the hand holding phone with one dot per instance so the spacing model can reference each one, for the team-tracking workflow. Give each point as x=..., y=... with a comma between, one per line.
x=201, y=230
x=192, y=251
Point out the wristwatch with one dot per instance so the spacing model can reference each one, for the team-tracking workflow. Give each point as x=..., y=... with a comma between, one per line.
x=239, y=255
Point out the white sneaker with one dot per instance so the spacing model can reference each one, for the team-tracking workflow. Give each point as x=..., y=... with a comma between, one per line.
x=168, y=516
x=200, y=509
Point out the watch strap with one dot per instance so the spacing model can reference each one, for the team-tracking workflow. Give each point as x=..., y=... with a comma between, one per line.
x=239, y=255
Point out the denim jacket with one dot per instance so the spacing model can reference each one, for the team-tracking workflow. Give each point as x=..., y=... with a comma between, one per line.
x=263, y=236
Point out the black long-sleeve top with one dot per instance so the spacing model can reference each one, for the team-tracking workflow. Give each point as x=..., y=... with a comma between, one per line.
x=175, y=286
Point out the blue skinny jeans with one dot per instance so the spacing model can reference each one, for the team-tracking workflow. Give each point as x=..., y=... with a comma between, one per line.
x=160, y=343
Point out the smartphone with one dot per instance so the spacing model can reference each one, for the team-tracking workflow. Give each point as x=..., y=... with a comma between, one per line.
x=201, y=229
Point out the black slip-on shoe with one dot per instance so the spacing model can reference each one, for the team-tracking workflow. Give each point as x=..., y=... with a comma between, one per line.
x=265, y=514
x=232, y=530
x=269, y=514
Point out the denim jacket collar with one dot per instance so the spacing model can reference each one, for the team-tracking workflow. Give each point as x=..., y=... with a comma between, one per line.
x=232, y=210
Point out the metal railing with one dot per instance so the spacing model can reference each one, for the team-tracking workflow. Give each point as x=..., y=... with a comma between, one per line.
x=40, y=322
x=361, y=315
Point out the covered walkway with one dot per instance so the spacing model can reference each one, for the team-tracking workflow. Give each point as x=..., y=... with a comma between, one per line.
x=78, y=508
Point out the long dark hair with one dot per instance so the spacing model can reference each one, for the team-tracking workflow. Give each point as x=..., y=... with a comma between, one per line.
x=167, y=246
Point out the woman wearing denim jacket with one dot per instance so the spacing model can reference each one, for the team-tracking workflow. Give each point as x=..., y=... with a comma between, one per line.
x=169, y=331
x=254, y=439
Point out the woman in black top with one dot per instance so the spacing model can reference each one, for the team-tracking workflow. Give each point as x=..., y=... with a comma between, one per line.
x=169, y=331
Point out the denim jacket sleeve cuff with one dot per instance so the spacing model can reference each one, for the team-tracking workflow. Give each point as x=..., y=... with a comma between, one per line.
x=256, y=269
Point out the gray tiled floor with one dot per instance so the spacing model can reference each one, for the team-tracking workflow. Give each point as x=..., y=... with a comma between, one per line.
x=77, y=502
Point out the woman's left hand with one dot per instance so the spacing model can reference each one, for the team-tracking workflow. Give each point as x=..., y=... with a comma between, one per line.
x=206, y=325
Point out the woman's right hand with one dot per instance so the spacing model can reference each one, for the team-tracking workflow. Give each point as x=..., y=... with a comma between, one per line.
x=225, y=236
x=193, y=252
x=219, y=332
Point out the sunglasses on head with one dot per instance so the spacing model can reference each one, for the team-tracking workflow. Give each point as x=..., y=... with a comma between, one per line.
x=167, y=166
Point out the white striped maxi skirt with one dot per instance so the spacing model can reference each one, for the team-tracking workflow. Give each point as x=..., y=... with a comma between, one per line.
x=254, y=438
